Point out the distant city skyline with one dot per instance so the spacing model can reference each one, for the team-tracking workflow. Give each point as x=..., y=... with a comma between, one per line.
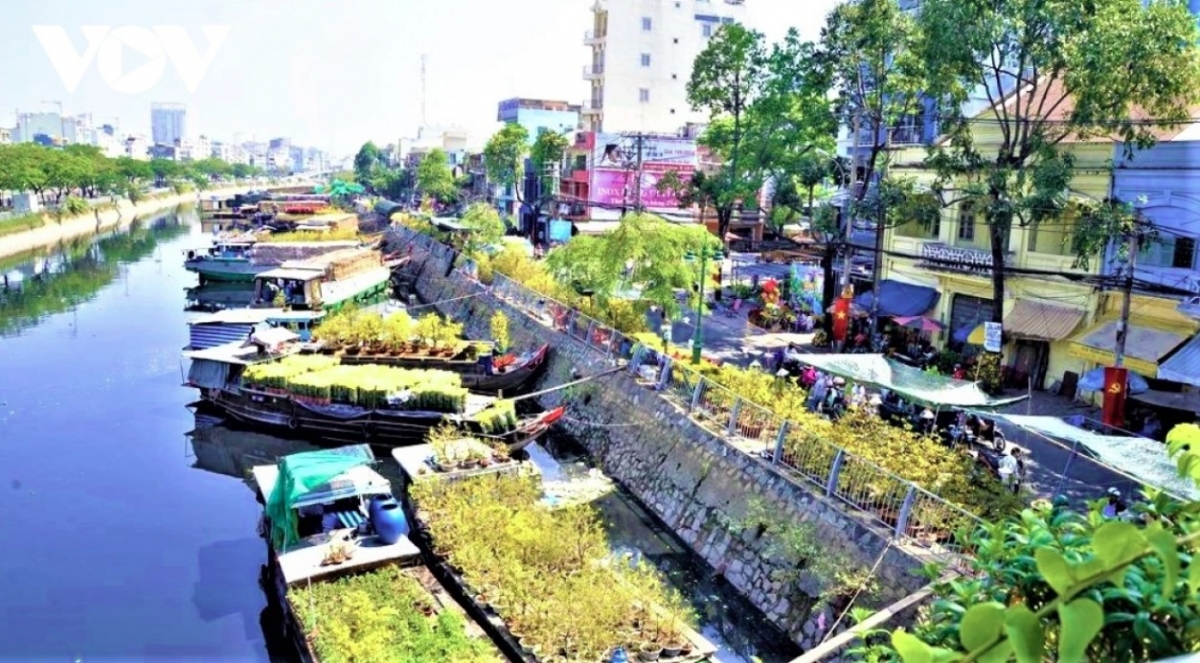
x=327, y=76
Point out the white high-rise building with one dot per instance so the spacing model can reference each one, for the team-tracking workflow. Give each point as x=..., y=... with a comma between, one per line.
x=642, y=56
x=168, y=123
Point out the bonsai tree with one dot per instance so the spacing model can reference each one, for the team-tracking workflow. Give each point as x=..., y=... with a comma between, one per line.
x=499, y=324
x=427, y=328
x=397, y=330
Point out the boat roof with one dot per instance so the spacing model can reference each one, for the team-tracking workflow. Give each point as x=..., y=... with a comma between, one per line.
x=279, y=315
x=293, y=273
x=237, y=316
x=236, y=352
x=358, y=480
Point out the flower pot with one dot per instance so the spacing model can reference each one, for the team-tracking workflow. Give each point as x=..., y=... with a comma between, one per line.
x=649, y=652
x=672, y=650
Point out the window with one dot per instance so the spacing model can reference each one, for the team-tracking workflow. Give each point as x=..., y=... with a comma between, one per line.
x=672, y=111
x=675, y=40
x=966, y=224
x=674, y=77
x=646, y=24
x=644, y=95
x=645, y=59
x=707, y=29
x=1168, y=251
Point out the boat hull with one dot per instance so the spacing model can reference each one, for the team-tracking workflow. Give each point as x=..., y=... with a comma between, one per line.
x=282, y=414
x=224, y=271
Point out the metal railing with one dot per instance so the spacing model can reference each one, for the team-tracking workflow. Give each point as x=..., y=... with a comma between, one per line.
x=911, y=514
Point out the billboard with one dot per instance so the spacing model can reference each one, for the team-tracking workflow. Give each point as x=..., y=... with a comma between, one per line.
x=613, y=187
x=616, y=151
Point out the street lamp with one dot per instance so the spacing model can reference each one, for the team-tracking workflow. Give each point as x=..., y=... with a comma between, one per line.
x=704, y=255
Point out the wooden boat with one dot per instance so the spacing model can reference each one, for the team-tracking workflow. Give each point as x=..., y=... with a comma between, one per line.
x=328, y=283
x=218, y=296
x=240, y=260
x=218, y=374
x=483, y=373
x=318, y=527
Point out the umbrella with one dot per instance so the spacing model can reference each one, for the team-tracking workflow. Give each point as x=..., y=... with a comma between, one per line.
x=919, y=322
x=1093, y=380
x=970, y=335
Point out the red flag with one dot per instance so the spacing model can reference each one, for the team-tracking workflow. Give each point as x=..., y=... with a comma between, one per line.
x=841, y=318
x=1116, y=384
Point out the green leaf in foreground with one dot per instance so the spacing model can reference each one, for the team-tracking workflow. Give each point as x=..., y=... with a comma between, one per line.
x=1024, y=629
x=1081, y=620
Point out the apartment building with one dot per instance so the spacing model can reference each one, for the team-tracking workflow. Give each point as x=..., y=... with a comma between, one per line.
x=168, y=123
x=642, y=56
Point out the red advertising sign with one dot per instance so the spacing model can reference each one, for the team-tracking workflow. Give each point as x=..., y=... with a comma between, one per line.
x=619, y=188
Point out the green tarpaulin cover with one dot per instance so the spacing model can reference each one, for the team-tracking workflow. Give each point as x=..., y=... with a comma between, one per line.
x=300, y=474
x=912, y=383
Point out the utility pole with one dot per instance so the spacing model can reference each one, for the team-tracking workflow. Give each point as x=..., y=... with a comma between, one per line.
x=848, y=217
x=1123, y=330
x=880, y=225
x=637, y=185
x=423, y=60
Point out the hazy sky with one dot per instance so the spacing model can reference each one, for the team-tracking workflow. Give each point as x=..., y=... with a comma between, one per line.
x=327, y=74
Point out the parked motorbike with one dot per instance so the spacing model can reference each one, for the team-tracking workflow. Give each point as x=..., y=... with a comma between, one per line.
x=964, y=435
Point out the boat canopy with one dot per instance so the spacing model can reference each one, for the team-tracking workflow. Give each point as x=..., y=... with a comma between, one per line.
x=234, y=316
x=208, y=374
x=293, y=274
x=1141, y=457
x=231, y=353
x=449, y=224
x=311, y=478
x=912, y=383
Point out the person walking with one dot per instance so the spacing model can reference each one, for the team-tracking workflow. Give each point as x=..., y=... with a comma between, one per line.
x=1011, y=469
x=820, y=388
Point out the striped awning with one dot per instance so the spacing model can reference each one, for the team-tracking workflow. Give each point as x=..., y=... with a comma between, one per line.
x=1030, y=318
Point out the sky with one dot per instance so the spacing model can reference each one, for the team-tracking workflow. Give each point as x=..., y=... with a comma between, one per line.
x=325, y=74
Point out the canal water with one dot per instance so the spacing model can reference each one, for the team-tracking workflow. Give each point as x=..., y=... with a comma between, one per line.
x=128, y=527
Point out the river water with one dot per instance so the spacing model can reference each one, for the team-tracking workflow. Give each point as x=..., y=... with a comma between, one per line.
x=126, y=536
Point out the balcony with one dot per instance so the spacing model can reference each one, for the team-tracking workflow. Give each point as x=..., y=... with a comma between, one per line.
x=592, y=107
x=593, y=72
x=593, y=38
x=946, y=258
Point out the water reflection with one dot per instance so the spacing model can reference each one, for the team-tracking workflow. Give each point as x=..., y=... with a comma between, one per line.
x=71, y=273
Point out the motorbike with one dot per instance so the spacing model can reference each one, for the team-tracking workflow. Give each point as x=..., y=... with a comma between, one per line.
x=964, y=435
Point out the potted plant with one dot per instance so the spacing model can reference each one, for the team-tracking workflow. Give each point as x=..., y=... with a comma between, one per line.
x=649, y=651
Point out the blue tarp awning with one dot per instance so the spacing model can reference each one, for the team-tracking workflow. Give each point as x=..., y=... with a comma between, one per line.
x=897, y=299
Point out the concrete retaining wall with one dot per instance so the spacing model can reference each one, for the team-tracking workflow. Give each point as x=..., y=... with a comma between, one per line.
x=95, y=221
x=687, y=474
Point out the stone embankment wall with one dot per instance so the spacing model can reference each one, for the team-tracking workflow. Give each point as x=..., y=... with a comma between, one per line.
x=687, y=474
x=94, y=221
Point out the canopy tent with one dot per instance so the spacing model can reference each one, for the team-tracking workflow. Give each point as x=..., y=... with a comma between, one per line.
x=1140, y=457
x=899, y=299
x=316, y=477
x=912, y=383
x=971, y=335
x=1144, y=346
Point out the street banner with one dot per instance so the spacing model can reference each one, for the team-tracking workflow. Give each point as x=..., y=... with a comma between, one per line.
x=1116, y=384
x=841, y=318
x=993, y=333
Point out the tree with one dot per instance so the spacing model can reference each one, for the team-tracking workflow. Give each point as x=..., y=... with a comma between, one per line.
x=165, y=171
x=65, y=171
x=365, y=162
x=434, y=177
x=547, y=152
x=1082, y=71
x=484, y=228
x=644, y=252
x=504, y=156
x=244, y=170
x=727, y=77
x=134, y=170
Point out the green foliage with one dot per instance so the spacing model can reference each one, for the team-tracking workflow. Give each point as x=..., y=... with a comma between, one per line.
x=366, y=162
x=537, y=566
x=644, y=252
x=1054, y=584
x=434, y=177
x=768, y=109
x=503, y=156
x=547, y=155
x=1087, y=72
x=485, y=229
x=377, y=618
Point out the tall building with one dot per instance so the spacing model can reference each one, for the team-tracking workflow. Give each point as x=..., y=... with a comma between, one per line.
x=168, y=123
x=539, y=115
x=642, y=56
x=54, y=128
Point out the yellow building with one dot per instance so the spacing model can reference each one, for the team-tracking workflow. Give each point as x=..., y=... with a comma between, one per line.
x=1044, y=307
